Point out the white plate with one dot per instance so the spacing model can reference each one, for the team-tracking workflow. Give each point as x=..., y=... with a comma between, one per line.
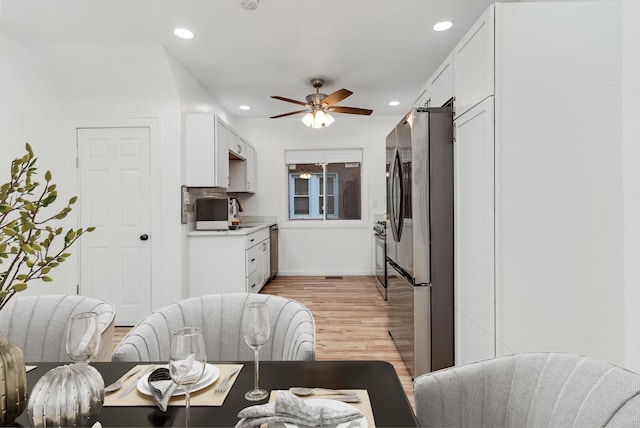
x=210, y=375
x=336, y=405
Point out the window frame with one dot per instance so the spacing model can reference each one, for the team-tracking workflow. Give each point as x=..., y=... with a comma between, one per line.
x=314, y=192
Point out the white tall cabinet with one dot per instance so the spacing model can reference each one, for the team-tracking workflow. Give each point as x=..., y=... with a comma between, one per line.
x=538, y=184
x=474, y=231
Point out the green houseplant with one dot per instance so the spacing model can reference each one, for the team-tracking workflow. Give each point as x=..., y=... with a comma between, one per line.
x=30, y=246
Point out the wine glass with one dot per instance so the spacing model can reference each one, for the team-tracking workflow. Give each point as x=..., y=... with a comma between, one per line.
x=256, y=330
x=83, y=337
x=187, y=361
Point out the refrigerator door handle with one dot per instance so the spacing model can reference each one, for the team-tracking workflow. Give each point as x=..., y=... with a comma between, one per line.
x=396, y=195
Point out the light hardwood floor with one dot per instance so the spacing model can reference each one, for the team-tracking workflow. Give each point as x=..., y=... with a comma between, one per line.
x=350, y=315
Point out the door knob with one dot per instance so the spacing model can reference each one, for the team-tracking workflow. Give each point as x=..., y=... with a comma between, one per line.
x=144, y=237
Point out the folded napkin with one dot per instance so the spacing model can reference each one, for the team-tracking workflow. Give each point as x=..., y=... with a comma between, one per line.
x=291, y=409
x=161, y=386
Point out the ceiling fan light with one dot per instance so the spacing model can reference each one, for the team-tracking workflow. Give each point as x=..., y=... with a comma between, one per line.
x=328, y=119
x=319, y=118
x=307, y=119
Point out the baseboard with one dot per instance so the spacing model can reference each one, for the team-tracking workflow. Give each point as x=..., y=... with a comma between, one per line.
x=326, y=273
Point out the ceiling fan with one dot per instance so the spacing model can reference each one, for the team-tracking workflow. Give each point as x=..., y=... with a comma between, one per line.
x=318, y=106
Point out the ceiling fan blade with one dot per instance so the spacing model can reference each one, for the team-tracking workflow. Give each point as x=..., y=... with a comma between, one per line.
x=288, y=114
x=290, y=100
x=351, y=110
x=337, y=96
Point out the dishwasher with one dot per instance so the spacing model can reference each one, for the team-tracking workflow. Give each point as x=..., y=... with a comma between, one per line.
x=273, y=238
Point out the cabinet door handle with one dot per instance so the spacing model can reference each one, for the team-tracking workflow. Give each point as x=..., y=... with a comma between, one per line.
x=253, y=260
x=253, y=285
x=264, y=246
x=252, y=239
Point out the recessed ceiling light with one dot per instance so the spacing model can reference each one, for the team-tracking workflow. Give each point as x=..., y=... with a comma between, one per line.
x=442, y=26
x=249, y=4
x=244, y=107
x=394, y=103
x=183, y=33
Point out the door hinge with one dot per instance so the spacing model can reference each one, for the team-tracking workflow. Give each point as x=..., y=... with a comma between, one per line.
x=453, y=134
x=77, y=162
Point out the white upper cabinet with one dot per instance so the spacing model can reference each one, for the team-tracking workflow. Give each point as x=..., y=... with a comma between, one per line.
x=441, y=83
x=242, y=172
x=207, y=151
x=439, y=88
x=237, y=144
x=424, y=99
x=252, y=170
x=473, y=64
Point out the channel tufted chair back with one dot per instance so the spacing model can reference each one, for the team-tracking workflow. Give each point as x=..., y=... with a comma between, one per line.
x=529, y=391
x=38, y=325
x=293, y=332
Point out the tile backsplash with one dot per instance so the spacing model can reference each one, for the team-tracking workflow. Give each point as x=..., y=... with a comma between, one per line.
x=189, y=205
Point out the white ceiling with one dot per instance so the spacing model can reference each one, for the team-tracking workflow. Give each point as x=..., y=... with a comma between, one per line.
x=381, y=50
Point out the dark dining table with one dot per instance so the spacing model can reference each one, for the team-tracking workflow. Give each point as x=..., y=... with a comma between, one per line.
x=390, y=405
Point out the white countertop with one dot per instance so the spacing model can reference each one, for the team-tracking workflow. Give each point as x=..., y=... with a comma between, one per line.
x=244, y=229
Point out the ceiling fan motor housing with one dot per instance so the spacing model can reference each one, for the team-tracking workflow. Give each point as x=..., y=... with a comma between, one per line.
x=316, y=98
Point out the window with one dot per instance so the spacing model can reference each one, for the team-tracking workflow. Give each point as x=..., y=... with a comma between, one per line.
x=324, y=190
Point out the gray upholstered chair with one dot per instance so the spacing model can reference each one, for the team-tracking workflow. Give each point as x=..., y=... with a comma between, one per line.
x=293, y=332
x=38, y=325
x=529, y=390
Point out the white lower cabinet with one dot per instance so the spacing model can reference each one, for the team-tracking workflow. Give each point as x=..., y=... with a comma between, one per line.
x=228, y=263
x=258, y=252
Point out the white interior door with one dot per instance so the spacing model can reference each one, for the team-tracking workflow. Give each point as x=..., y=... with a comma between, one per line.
x=115, y=260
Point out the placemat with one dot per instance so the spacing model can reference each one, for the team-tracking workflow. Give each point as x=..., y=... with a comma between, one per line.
x=204, y=397
x=364, y=406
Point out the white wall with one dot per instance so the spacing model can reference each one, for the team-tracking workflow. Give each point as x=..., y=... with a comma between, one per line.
x=31, y=110
x=319, y=249
x=103, y=85
x=133, y=87
x=193, y=99
x=631, y=160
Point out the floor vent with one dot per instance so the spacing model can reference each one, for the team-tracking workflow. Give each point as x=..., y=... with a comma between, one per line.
x=333, y=277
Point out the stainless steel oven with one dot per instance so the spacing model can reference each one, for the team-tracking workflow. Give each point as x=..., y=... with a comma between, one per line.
x=379, y=232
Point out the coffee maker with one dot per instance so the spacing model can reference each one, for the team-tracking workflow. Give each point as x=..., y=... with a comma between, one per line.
x=234, y=213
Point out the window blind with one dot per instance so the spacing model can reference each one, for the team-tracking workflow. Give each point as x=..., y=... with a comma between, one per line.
x=322, y=156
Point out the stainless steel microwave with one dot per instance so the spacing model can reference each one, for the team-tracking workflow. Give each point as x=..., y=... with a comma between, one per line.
x=212, y=213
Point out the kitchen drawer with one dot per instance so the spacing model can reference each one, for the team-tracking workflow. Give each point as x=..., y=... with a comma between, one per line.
x=254, y=282
x=253, y=258
x=257, y=237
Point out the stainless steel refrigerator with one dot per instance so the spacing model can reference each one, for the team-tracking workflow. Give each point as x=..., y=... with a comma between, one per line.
x=419, y=153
